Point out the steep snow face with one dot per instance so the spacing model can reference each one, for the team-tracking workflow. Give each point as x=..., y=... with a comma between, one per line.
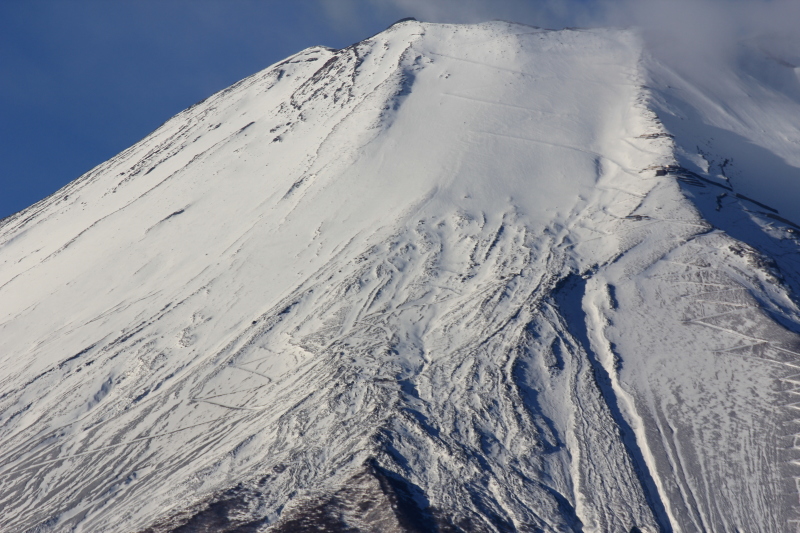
x=449, y=278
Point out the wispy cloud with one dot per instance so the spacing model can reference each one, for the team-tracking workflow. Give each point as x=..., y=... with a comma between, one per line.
x=691, y=34
x=678, y=16
x=696, y=33
x=552, y=13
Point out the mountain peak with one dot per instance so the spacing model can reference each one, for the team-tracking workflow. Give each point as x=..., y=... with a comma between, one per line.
x=453, y=277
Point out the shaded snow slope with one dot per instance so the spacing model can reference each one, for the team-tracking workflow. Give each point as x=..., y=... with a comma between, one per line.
x=453, y=278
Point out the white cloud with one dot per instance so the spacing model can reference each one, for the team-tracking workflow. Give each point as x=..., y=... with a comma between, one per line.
x=691, y=34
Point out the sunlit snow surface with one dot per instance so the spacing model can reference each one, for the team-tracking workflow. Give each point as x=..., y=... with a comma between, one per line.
x=478, y=278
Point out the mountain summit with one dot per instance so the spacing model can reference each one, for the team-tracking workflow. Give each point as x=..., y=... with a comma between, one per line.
x=451, y=278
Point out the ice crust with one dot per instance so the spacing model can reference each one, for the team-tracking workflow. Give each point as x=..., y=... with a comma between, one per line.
x=452, y=278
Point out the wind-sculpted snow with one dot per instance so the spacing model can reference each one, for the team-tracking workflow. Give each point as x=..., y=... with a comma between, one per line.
x=451, y=278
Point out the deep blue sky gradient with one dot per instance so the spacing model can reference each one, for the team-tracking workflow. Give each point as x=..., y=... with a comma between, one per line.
x=81, y=80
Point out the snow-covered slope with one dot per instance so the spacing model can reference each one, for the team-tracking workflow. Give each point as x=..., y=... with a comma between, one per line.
x=451, y=278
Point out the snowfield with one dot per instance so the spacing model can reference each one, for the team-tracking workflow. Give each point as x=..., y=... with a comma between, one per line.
x=451, y=278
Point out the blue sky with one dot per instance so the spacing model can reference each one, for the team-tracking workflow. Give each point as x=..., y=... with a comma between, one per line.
x=81, y=81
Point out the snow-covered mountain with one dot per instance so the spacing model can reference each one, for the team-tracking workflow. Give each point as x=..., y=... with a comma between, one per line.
x=451, y=278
